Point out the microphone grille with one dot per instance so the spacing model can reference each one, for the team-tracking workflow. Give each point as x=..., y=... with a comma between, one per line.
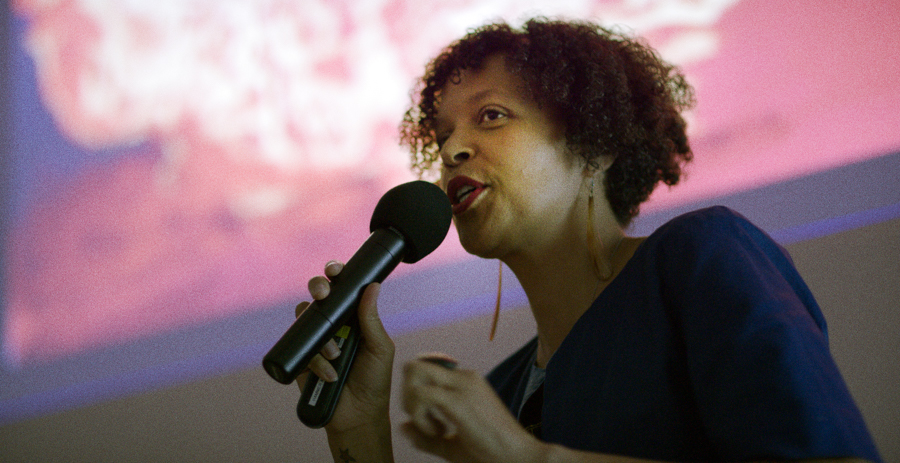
x=420, y=211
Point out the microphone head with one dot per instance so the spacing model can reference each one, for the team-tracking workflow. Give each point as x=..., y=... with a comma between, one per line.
x=420, y=211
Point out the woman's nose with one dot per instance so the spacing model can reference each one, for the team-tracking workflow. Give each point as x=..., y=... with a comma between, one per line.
x=454, y=152
x=460, y=157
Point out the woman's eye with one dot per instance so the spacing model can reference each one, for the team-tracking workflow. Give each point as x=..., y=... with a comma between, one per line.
x=491, y=115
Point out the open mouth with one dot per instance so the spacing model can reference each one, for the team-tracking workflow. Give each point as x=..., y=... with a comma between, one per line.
x=462, y=191
x=462, y=194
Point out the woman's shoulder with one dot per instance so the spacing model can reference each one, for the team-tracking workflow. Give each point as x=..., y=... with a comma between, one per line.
x=709, y=220
x=708, y=228
x=710, y=235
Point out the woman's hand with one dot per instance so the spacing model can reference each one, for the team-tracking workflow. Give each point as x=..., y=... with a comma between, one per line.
x=361, y=417
x=456, y=415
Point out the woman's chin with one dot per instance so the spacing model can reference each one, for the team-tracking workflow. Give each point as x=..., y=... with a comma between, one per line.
x=478, y=246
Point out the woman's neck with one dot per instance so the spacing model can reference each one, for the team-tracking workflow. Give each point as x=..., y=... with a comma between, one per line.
x=561, y=284
x=560, y=281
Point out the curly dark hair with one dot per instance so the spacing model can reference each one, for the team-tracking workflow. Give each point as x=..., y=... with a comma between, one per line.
x=613, y=94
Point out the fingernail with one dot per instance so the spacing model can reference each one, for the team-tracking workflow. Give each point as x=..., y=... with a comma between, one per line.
x=331, y=351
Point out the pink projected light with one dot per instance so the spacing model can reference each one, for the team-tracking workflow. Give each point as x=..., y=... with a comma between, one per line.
x=258, y=166
x=257, y=137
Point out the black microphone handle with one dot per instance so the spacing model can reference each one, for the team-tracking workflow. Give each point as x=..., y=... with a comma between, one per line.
x=373, y=262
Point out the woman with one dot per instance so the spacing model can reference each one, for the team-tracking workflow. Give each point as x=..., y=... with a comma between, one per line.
x=700, y=342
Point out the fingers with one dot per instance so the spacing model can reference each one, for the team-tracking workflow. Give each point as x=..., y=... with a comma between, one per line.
x=323, y=368
x=432, y=421
x=372, y=329
x=320, y=286
x=455, y=414
x=429, y=384
x=320, y=364
x=437, y=369
x=376, y=338
x=332, y=268
x=443, y=426
x=331, y=350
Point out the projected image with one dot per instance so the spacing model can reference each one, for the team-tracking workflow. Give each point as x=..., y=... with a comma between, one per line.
x=216, y=154
x=249, y=138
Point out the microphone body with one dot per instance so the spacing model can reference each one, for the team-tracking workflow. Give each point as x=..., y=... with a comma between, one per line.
x=409, y=222
x=373, y=262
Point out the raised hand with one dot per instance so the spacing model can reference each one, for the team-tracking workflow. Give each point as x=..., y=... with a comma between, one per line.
x=456, y=415
x=361, y=421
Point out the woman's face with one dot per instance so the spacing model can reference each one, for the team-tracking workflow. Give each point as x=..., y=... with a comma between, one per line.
x=512, y=181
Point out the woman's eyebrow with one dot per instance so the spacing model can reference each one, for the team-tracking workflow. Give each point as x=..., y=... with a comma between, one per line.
x=475, y=98
x=482, y=95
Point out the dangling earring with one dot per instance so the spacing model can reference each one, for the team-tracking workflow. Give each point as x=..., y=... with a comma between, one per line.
x=497, y=306
x=594, y=244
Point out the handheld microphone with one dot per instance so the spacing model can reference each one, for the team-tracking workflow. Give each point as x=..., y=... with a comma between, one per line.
x=409, y=222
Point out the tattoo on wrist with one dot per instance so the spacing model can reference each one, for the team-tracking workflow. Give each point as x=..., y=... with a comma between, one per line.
x=345, y=455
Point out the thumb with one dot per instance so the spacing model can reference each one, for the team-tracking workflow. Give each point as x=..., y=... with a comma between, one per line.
x=371, y=326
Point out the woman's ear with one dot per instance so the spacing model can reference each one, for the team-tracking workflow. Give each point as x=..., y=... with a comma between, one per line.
x=598, y=164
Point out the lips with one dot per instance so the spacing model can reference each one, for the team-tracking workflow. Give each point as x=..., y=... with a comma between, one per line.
x=463, y=191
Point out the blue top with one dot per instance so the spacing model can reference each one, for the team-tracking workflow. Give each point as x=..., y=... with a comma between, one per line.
x=707, y=346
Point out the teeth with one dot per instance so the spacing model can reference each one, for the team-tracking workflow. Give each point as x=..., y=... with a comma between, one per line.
x=463, y=192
